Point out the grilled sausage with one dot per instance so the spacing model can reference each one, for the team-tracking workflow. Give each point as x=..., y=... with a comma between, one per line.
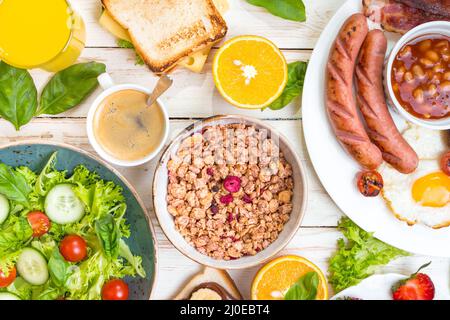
x=371, y=101
x=341, y=104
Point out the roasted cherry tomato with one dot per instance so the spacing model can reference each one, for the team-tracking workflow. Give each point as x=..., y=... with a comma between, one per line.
x=369, y=183
x=445, y=163
x=6, y=280
x=115, y=290
x=39, y=222
x=73, y=248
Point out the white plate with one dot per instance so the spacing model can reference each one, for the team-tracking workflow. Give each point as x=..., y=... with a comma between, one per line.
x=378, y=287
x=337, y=170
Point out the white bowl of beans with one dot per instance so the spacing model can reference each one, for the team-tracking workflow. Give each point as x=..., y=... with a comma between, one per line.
x=417, y=75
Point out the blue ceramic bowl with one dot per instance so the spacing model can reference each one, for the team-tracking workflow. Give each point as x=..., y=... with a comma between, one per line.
x=36, y=154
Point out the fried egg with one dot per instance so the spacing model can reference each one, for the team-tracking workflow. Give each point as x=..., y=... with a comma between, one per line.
x=423, y=196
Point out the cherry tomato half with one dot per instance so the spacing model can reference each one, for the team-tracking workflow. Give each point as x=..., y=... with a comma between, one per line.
x=73, y=248
x=6, y=280
x=445, y=163
x=39, y=222
x=115, y=289
x=369, y=183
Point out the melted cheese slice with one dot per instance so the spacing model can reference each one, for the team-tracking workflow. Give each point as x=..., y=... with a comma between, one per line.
x=194, y=62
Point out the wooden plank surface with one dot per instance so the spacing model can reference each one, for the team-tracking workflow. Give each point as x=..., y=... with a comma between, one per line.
x=194, y=97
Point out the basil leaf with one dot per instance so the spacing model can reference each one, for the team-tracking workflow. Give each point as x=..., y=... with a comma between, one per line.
x=125, y=44
x=69, y=87
x=305, y=288
x=286, y=9
x=294, y=86
x=18, y=95
x=58, y=268
x=13, y=185
x=108, y=234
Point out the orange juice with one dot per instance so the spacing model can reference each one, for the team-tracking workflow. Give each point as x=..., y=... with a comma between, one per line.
x=40, y=33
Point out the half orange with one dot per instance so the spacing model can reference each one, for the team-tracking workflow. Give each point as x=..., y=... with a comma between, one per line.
x=250, y=72
x=275, y=278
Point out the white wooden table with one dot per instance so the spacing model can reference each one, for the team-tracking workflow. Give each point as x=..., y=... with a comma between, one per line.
x=316, y=239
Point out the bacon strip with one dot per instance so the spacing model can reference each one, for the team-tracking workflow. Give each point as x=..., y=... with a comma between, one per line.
x=436, y=7
x=398, y=17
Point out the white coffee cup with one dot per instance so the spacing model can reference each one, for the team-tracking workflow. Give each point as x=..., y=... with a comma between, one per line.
x=109, y=87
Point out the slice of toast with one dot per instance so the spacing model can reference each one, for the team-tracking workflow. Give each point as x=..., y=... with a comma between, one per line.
x=210, y=275
x=166, y=31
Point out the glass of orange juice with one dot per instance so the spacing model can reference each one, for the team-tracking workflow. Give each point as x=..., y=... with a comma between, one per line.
x=46, y=34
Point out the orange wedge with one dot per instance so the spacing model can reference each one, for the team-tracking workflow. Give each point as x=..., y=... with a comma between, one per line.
x=250, y=72
x=275, y=278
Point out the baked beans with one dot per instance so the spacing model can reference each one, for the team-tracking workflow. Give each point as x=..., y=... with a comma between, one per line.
x=421, y=77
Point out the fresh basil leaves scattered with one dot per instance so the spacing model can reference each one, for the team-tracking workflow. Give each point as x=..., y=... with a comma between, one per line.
x=59, y=268
x=125, y=44
x=294, y=86
x=305, y=288
x=69, y=87
x=18, y=95
x=66, y=89
x=108, y=234
x=286, y=9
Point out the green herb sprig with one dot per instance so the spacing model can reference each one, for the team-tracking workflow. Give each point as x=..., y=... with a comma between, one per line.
x=294, y=86
x=305, y=288
x=125, y=44
x=65, y=90
x=287, y=9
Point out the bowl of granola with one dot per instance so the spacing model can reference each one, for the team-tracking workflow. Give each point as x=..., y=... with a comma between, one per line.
x=229, y=192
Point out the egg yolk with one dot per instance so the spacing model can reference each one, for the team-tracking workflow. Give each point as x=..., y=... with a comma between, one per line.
x=432, y=190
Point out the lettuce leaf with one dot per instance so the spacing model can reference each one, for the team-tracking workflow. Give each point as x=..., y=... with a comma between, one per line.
x=358, y=257
x=21, y=288
x=14, y=234
x=134, y=261
x=49, y=177
x=87, y=280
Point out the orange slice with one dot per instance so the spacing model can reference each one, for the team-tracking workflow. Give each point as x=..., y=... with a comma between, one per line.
x=275, y=278
x=250, y=72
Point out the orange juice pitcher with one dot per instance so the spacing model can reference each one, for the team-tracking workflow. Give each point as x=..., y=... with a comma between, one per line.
x=45, y=34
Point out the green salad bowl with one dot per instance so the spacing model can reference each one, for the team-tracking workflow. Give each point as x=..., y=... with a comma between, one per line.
x=35, y=154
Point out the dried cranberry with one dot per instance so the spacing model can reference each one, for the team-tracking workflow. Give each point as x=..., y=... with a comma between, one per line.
x=226, y=199
x=246, y=198
x=210, y=171
x=214, y=209
x=230, y=217
x=232, y=184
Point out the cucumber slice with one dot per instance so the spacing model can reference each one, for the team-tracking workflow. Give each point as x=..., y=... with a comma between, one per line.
x=4, y=208
x=32, y=266
x=63, y=206
x=8, y=296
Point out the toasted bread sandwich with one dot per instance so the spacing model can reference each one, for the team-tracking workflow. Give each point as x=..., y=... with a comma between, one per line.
x=211, y=284
x=166, y=32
